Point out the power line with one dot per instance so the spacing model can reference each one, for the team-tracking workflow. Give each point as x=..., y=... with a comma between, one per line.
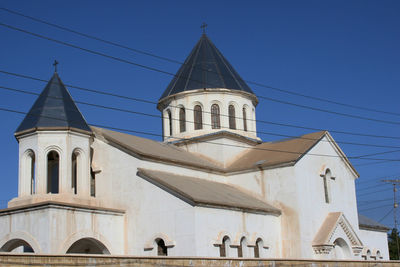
x=174, y=75
x=374, y=208
x=373, y=163
x=369, y=202
x=152, y=102
x=181, y=63
x=369, y=187
x=189, y=121
x=186, y=139
x=384, y=217
x=369, y=193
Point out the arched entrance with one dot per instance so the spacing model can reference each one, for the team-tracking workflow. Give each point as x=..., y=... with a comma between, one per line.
x=341, y=249
x=88, y=246
x=17, y=245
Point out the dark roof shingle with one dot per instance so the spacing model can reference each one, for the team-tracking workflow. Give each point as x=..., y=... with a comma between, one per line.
x=54, y=108
x=205, y=67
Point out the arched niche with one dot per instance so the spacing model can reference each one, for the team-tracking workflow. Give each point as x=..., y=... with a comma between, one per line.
x=341, y=249
x=17, y=245
x=88, y=246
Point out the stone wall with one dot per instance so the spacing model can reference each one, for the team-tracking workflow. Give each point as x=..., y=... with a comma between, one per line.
x=7, y=259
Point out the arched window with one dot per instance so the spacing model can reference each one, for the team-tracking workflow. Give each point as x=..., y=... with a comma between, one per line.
x=169, y=121
x=31, y=171
x=232, y=117
x=242, y=248
x=378, y=255
x=198, y=117
x=215, y=119
x=53, y=169
x=244, y=119
x=182, y=120
x=162, y=250
x=92, y=176
x=74, y=176
x=341, y=249
x=224, y=248
x=88, y=246
x=257, y=248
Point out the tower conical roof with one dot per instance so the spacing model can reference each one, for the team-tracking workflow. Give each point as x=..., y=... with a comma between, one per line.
x=205, y=67
x=54, y=108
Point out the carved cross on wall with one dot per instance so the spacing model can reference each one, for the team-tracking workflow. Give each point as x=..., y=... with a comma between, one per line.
x=327, y=177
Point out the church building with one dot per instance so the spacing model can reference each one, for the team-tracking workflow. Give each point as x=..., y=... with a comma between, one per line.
x=212, y=188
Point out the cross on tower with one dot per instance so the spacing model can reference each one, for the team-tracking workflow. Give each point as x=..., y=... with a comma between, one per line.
x=55, y=65
x=204, y=26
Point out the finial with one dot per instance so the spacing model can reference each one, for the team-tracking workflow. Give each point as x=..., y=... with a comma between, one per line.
x=55, y=65
x=204, y=26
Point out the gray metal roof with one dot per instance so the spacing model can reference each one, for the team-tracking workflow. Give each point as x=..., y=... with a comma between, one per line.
x=205, y=67
x=367, y=223
x=206, y=193
x=54, y=108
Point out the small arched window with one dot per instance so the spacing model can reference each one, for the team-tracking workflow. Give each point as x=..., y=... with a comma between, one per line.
x=74, y=176
x=223, y=249
x=215, y=117
x=244, y=119
x=198, y=117
x=242, y=248
x=232, y=117
x=161, y=248
x=53, y=169
x=169, y=121
x=182, y=120
x=257, y=248
x=31, y=170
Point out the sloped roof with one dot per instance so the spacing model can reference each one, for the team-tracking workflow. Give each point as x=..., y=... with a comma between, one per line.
x=200, y=192
x=54, y=108
x=264, y=155
x=205, y=67
x=276, y=153
x=152, y=149
x=369, y=224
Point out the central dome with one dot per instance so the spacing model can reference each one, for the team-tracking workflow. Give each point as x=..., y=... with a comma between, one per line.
x=205, y=68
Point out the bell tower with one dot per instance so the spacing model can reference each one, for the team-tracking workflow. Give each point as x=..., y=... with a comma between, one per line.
x=54, y=149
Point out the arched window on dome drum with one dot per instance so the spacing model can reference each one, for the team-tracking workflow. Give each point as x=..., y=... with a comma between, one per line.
x=215, y=117
x=198, y=117
x=232, y=117
x=169, y=121
x=244, y=120
x=53, y=169
x=182, y=120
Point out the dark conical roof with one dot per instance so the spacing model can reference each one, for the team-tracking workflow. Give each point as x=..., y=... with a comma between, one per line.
x=54, y=108
x=205, y=67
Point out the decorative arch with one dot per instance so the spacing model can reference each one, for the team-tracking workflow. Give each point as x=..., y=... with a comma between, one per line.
x=218, y=241
x=232, y=116
x=198, y=116
x=16, y=239
x=169, y=243
x=88, y=235
x=78, y=159
x=245, y=117
x=182, y=119
x=28, y=170
x=53, y=173
x=341, y=249
x=168, y=115
x=216, y=115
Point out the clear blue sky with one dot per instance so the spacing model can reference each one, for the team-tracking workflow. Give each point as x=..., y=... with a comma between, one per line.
x=345, y=51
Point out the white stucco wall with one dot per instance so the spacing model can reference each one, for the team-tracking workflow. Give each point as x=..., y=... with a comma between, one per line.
x=54, y=229
x=375, y=241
